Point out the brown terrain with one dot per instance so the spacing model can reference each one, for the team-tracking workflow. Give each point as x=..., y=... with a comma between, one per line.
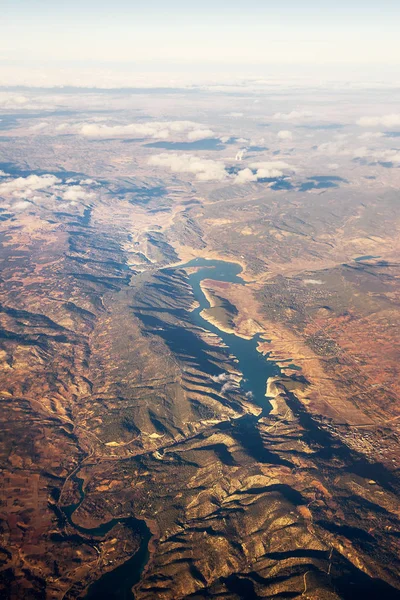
x=124, y=464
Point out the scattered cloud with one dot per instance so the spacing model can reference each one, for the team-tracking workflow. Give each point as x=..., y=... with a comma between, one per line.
x=200, y=134
x=42, y=189
x=13, y=101
x=38, y=127
x=228, y=381
x=331, y=148
x=21, y=205
x=387, y=156
x=273, y=165
x=160, y=130
x=229, y=386
x=203, y=169
x=221, y=378
x=368, y=135
x=391, y=120
x=295, y=115
x=285, y=135
x=27, y=185
x=76, y=192
x=213, y=170
x=339, y=148
x=272, y=169
x=269, y=173
x=245, y=176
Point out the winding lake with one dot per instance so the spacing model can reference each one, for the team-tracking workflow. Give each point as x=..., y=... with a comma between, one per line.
x=117, y=584
x=256, y=369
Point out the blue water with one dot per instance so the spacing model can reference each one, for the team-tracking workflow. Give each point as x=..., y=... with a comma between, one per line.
x=118, y=583
x=255, y=367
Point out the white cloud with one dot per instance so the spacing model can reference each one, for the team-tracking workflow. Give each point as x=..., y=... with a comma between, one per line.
x=392, y=156
x=39, y=127
x=272, y=169
x=200, y=134
x=211, y=170
x=292, y=116
x=263, y=170
x=368, y=135
x=391, y=120
x=160, y=130
x=272, y=165
x=229, y=382
x=221, y=378
x=26, y=185
x=229, y=386
x=203, y=169
x=372, y=154
x=43, y=189
x=76, y=192
x=331, y=148
x=235, y=115
x=245, y=176
x=13, y=101
x=269, y=173
x=21, y=205
x=285, y=135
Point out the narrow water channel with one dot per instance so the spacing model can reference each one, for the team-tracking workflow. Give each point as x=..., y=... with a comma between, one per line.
x=116, y=584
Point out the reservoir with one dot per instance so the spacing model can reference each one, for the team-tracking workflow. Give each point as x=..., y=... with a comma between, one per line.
x=182, y=337
x=256, y=369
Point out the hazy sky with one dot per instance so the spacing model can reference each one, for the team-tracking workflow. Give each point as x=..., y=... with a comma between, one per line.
x=202, y=31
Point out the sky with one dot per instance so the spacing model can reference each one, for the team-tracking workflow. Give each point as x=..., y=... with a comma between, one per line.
x=160, y=33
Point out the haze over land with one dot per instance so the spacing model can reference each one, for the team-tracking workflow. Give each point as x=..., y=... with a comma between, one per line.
x=199, y=301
